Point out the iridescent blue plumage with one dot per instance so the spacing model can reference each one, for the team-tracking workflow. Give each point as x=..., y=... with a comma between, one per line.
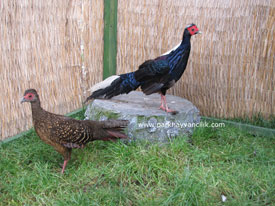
x=180, y=54
x=174, y=57
x=129, y=80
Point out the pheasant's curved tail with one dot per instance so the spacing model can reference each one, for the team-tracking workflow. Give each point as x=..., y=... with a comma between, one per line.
x=113, y=86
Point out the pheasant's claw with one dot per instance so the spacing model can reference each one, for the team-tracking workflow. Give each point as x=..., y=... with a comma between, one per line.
x=162, y=108
x=173, y=112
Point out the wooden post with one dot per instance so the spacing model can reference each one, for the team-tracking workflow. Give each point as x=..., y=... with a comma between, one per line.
x=110, y=38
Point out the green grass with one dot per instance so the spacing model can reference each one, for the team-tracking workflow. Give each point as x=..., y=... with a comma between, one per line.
x=79, y=114
x=219, y=161
x=257, y=120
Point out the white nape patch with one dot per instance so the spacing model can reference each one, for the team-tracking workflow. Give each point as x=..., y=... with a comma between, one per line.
x=171, y=49
x=101, y=85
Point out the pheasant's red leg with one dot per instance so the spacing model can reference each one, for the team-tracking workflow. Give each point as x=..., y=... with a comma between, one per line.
x=64, y=166
x=66, y=160
x=161, y=103
x=164, y=105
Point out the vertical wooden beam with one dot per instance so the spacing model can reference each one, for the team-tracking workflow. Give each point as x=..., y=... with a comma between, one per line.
x=110, y=38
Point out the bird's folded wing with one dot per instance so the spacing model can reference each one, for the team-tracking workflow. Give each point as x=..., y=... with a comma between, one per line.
x=152, y=68
x=70, y=133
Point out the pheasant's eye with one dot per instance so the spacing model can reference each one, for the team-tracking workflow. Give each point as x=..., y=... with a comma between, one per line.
x=193, y=29
x=30, y=96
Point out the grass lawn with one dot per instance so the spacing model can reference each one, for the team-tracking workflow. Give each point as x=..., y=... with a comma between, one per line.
x=223, y=161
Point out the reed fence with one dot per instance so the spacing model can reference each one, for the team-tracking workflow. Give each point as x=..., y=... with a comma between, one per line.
x=55, y=47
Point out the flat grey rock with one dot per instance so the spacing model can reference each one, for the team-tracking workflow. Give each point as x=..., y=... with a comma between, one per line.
x=147, y=121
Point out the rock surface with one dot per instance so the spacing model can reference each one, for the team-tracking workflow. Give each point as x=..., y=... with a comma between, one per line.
x=147, y=121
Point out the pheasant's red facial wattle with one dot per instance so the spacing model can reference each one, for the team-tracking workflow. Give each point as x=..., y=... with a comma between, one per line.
x=193, y=30
x=29, y=96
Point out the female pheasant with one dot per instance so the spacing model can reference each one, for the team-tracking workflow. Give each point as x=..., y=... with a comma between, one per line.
x=65, y=133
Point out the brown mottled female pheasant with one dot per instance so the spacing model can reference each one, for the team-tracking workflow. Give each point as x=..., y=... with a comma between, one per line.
x=65, y=133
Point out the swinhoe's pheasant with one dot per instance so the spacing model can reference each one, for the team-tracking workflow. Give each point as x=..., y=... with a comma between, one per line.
x=65, y=133
x=153, y=76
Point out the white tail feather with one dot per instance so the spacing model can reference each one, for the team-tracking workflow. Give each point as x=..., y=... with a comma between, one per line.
x=171, y=49
x=101, y=85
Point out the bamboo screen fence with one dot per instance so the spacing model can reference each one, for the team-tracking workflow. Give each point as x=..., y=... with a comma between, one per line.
x=55, y=47
x=231, y=66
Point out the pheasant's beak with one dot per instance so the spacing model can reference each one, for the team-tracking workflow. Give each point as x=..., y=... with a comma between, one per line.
x=23, y=100
x=198, y=32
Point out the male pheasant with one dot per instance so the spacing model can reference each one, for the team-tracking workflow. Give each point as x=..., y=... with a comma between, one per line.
x=153, y=76
x=65, y=133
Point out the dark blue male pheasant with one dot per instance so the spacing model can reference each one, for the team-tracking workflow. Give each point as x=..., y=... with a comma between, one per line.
x=153, y=76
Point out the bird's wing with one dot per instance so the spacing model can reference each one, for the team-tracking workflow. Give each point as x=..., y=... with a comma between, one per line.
x=70, y=132
x=153, y=74
x=152, y=68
